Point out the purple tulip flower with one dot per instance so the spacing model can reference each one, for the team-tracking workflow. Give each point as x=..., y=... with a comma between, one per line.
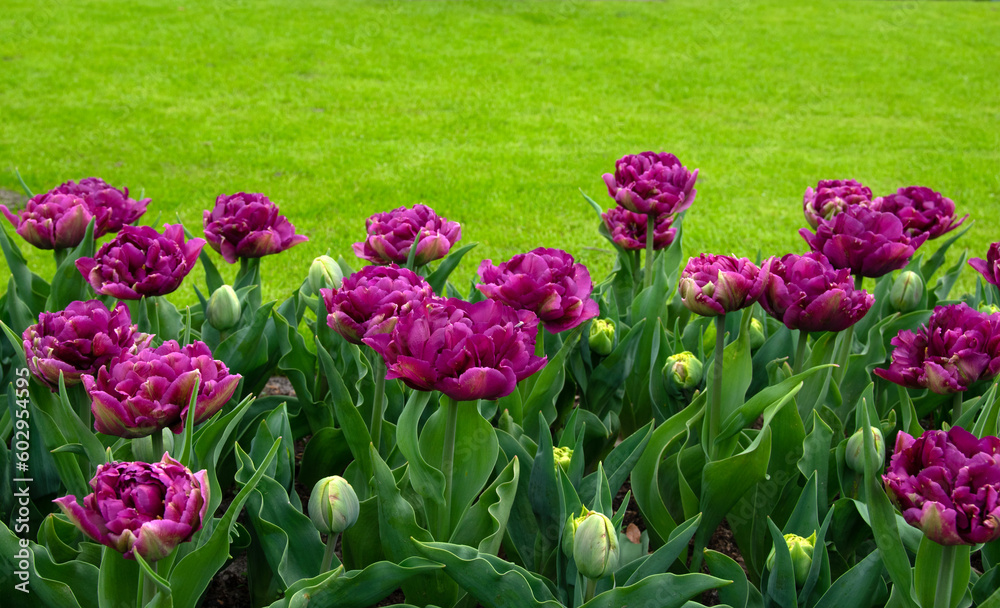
x=868, y=242
x=52, y=221
x=712, y=285
x=832, y=196
x=391, y=235
x=140, y=261
x=947, y=484
x=652, y=184
x=79, y=340
x=628, y=230
x=244, y=225
x=368, y=300
x=138, y=507
x=112, y=207
x=138, y=394
x=545, y=281
x=466, y=351
x=958, y=347
x=805, y=292
x=990, y=267
x=921, y=210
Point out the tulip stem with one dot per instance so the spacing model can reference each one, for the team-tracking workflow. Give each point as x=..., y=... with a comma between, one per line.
x=540, y=340
x=956, y=407
x=715, y=414
x=448, y=463
x=147, y=587
x=329, y=555
x=591, y=588
x=378, y=406
x=800, y=351
x=60, y=255
x=157, y=438
x=647, y=278
x=946, y=577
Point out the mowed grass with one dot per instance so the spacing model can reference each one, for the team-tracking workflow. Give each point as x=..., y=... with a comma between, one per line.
x=497, y=113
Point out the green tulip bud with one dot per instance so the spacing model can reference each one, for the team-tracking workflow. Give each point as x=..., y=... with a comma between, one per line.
x=595, y=546
x=855, y=454
x=223, y=309
x=683, y=371
x=990, y=309
x=907, y=292
x=325, y=273
x=563, y=456
x=569, y=531
x=333, y=505
x=756, y=334
x=602, y=336
x=801, y=551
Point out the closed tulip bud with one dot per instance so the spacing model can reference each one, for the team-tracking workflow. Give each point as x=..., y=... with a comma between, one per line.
x=333, y=505
x=907, y=291
x=595, y=546
x=562, y=456
x=989, y=309
x=325, y=273
x=569, y=531
x=223, y=308
x=602, y=336
x=855, y=455
x=756, y=334
x=683, y=371
x=801, y=551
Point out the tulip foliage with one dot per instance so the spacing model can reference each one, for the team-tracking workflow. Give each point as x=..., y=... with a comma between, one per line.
x=547, y=438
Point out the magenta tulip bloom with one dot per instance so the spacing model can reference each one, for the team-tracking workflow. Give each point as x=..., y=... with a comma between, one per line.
x=391, y=236
x=947, y=484
x=652, y=183
x=466, y=351
x=140, y=261
x=138, y=507
x=138, y=394
x=545, y=281
x=868, y=242
x=628, y=230
x=805, y=292
x=79, y=340
x=52, y=221
x=244, y=225
x=990, y=267
x=712, y=285
x=368, y=300
x=112, y=208
x=832, y=196
x=958, y=347
x=922, y=211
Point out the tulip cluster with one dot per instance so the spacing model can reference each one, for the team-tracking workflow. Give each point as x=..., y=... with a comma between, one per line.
x=368, y=301
x=79, y=340
x=652, y=183
x=112, y=208
x=805, y=292
x=922, y=211
x=713, y=285
x=956, y=348
x=467, y=351
x=247, y=225
x=391, y=236
x=833, y=196
x=140, y=261
x=947, y=484
x=546, y=282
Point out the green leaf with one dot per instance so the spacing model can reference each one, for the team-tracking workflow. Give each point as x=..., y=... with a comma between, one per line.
x=355, y=589
x=857, y=586
x=162, y=584
x=427, y=480
x=816, y=458
x=661, y=560
x=660, y=590
x=348, y=416
x=69, y=585
x=117, y=583
x=548, y=384
x=484, y=523
x=439, y=277
x=618, y=464
x=781, y=579
x=736, y=595
x=929, y=564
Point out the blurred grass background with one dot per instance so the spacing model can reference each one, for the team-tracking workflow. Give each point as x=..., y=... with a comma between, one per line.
x=497, y=113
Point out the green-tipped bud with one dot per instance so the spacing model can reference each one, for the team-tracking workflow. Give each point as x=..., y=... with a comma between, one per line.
x=855, y=454
x=756, y=334
x=223, y=309
x=563, y=456
x=990, y=309
x=569, y=531
x=801, y=551
x=602, y=336
x=333, y=505
x=595, y=546
x=906, y=292
x=683, y=371
x=325, y=273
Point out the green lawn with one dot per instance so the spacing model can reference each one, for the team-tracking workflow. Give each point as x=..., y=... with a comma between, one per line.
x=497, y=113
